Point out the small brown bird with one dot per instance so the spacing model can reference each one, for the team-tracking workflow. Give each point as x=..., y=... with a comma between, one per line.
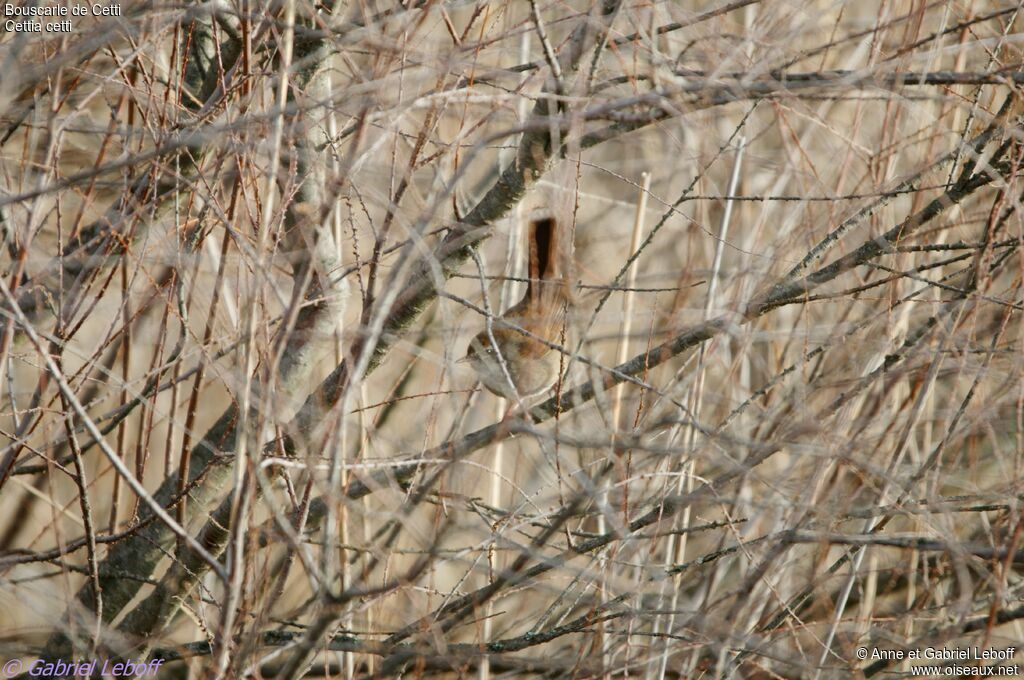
x=521, y=366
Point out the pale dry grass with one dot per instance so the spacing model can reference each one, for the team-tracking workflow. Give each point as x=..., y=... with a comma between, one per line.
x=819, y=447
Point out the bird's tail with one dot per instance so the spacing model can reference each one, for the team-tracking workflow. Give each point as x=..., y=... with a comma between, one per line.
x=550, y=251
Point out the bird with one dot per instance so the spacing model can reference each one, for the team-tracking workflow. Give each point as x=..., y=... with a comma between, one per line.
x=515, y=365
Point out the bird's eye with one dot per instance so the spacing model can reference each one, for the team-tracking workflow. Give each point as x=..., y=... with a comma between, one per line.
x=478, y=347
